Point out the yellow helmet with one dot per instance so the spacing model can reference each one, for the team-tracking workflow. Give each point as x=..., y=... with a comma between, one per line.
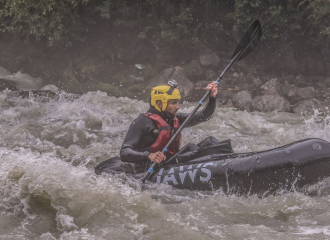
x=164, y=93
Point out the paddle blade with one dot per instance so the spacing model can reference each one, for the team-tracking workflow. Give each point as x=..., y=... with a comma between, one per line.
x=249, y=41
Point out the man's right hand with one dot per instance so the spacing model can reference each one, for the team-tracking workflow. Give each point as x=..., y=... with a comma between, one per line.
x=156, y=157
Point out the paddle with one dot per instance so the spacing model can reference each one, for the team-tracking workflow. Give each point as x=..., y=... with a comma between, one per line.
x=248, y=42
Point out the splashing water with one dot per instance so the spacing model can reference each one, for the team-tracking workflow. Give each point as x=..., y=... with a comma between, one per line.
x=48, y=148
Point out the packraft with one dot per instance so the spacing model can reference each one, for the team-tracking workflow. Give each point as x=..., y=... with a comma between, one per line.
x=212, y=165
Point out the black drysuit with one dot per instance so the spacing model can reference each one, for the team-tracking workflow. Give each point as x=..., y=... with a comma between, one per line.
x=142, y=133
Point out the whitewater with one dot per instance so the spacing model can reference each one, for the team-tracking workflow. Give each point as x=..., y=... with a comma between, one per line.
x=50, y=146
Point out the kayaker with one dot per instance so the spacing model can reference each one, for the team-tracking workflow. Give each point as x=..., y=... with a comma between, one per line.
x=150, y=132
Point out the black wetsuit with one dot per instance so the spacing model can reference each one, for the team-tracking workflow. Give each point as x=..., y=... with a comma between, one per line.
x=142, y=133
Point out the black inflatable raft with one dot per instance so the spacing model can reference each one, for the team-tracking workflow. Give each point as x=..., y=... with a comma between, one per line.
x=284, y=168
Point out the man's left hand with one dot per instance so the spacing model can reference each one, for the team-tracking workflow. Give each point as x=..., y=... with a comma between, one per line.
x=213, y=88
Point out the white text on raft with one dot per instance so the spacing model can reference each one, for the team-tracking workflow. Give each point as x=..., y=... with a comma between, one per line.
x=173, y=175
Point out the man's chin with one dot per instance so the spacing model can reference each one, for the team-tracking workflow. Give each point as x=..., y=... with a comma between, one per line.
x=169, y=115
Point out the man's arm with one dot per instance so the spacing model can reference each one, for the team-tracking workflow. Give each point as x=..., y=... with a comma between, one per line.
x=135, y=133
x=201, y=116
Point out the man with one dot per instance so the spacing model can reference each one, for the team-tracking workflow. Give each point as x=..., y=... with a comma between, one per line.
x=150, y=132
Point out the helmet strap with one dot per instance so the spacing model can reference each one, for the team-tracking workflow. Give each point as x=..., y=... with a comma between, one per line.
x=170, y=91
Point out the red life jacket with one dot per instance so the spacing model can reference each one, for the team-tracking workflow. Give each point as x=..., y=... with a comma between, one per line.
x=165, y=134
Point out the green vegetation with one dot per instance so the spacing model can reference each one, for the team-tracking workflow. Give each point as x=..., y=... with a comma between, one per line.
x=184, y=22
x=57, y=21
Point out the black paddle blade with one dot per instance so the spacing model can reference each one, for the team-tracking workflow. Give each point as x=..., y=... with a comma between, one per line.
x=249, y=41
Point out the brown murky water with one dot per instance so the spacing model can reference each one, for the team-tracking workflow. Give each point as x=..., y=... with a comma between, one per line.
x=49, y=190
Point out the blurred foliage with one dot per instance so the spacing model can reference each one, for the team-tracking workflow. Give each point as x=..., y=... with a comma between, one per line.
x=318, y=15
x=277, y=17
x=295, y=18
x=58, y=21
x=184, y=22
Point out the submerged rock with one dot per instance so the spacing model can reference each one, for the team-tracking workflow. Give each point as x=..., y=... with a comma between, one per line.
x=308, y=107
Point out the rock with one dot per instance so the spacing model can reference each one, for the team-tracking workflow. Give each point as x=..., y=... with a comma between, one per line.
x=272, y=87
x=207, y=57
x=269, y=103
x=230, y=81
x=257, y=82
x=200, y=91
x=296, y=94
x=242, y=101
x=289, y=79
x=5, y=84
x=324, y=94
x=194, y=70
x=225, y=96
x=321, y=85
x=243, y=84
x=314, y=79
x=138, y=91
x=185, y=86
x=202, y=84
x=320, y=93
x=138, y=79
x=300, y=81
x=238, y=76
x=50, y=87
x=210, y=75
x=23, y=81
x=308, y=107
x=222, y=85
x=306, y=93
x=4, y=72
x=110, y=89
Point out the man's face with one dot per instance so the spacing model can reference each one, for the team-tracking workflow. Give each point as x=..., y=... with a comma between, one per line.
x=172, y=108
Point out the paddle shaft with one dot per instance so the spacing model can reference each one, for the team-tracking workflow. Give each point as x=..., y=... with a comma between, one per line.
x=232, y=61
x=154, y=165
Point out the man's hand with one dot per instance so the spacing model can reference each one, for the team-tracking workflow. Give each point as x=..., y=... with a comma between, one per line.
x=213, y=88
x=156, y=157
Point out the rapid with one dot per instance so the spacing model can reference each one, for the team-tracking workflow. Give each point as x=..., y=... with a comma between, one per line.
x=50, y=146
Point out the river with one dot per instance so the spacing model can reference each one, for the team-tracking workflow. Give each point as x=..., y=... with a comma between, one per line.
x=49, y=190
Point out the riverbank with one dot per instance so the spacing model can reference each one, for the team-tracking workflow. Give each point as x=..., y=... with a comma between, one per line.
x=275, y=77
